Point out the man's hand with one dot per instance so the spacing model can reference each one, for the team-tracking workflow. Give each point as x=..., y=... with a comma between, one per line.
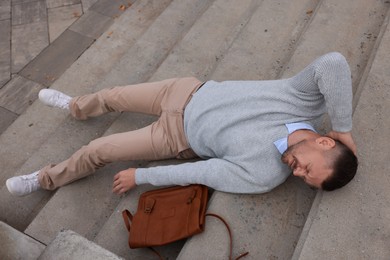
x=345, y=138
x=124, y=181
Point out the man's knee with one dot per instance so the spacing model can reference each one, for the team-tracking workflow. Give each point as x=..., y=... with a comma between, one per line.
x=99, y=153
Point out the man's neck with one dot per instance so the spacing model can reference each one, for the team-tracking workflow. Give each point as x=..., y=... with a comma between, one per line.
x=300, y=135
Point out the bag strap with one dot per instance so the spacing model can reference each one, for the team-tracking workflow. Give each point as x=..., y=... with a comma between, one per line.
x=128, y=216
x=230, y=236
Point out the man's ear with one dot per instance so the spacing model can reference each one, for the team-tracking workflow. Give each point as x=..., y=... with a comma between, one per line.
x=325, y=142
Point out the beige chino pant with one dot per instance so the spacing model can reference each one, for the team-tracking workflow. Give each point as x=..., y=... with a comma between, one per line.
x=162, y=139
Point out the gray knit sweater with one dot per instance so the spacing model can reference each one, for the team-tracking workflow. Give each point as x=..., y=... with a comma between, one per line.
x=232, y=125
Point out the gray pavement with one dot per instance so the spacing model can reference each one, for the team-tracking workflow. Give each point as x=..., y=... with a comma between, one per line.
x=90, y=45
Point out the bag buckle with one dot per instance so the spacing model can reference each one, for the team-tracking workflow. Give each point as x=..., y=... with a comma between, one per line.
x=149, y=206
x=193, y=195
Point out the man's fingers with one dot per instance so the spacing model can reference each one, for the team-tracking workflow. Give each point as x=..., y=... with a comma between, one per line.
x=119, y=190
x=123, y=181
x=116, y=186
x=116, y=182
x=116, y=176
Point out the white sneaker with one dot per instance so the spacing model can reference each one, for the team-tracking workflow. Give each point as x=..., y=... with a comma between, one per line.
x=54, y=98
x=23, y=185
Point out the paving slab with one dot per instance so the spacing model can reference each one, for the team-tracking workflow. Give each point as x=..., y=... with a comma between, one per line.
x=60, y=18
x=18, y=94
x=5, y=52
x=51, y=63
x=70, y=245
x=28, y=40
x=16, y=245
x=353, y=223
x=29, y=12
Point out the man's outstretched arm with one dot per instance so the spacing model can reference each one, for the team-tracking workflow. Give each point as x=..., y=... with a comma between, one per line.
x=218, y=174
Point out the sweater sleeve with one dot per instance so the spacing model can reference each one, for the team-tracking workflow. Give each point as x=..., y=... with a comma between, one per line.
x=331, y=76
x=218, y=174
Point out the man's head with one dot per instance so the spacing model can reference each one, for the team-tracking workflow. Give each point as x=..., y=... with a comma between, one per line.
x=321, y=162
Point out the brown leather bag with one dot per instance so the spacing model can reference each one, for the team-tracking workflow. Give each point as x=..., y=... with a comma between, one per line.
x=167, y=215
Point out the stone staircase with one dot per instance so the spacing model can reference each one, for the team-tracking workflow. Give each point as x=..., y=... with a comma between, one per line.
x=221, y=40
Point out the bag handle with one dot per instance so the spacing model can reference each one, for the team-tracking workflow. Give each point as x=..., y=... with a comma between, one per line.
x=128, y=216
x=230, y=236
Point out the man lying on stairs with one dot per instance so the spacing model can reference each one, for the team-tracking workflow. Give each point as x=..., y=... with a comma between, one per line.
x=250, y=135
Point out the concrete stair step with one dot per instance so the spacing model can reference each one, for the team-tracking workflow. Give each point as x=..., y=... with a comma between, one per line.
x=353, y=223
x=16, y=245
x=269, y=225
x=70, y=245
x=42, y=125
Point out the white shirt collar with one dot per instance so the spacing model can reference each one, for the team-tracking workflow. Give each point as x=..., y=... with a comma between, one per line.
x=282, y=144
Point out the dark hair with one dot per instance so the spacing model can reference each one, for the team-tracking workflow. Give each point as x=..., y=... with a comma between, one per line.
x=344, y=167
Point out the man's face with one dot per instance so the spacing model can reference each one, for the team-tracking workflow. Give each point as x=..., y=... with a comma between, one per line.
x=307, y=161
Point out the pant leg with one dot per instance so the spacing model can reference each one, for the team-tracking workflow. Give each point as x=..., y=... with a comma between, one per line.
x=128, y=146
x=143, y=98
